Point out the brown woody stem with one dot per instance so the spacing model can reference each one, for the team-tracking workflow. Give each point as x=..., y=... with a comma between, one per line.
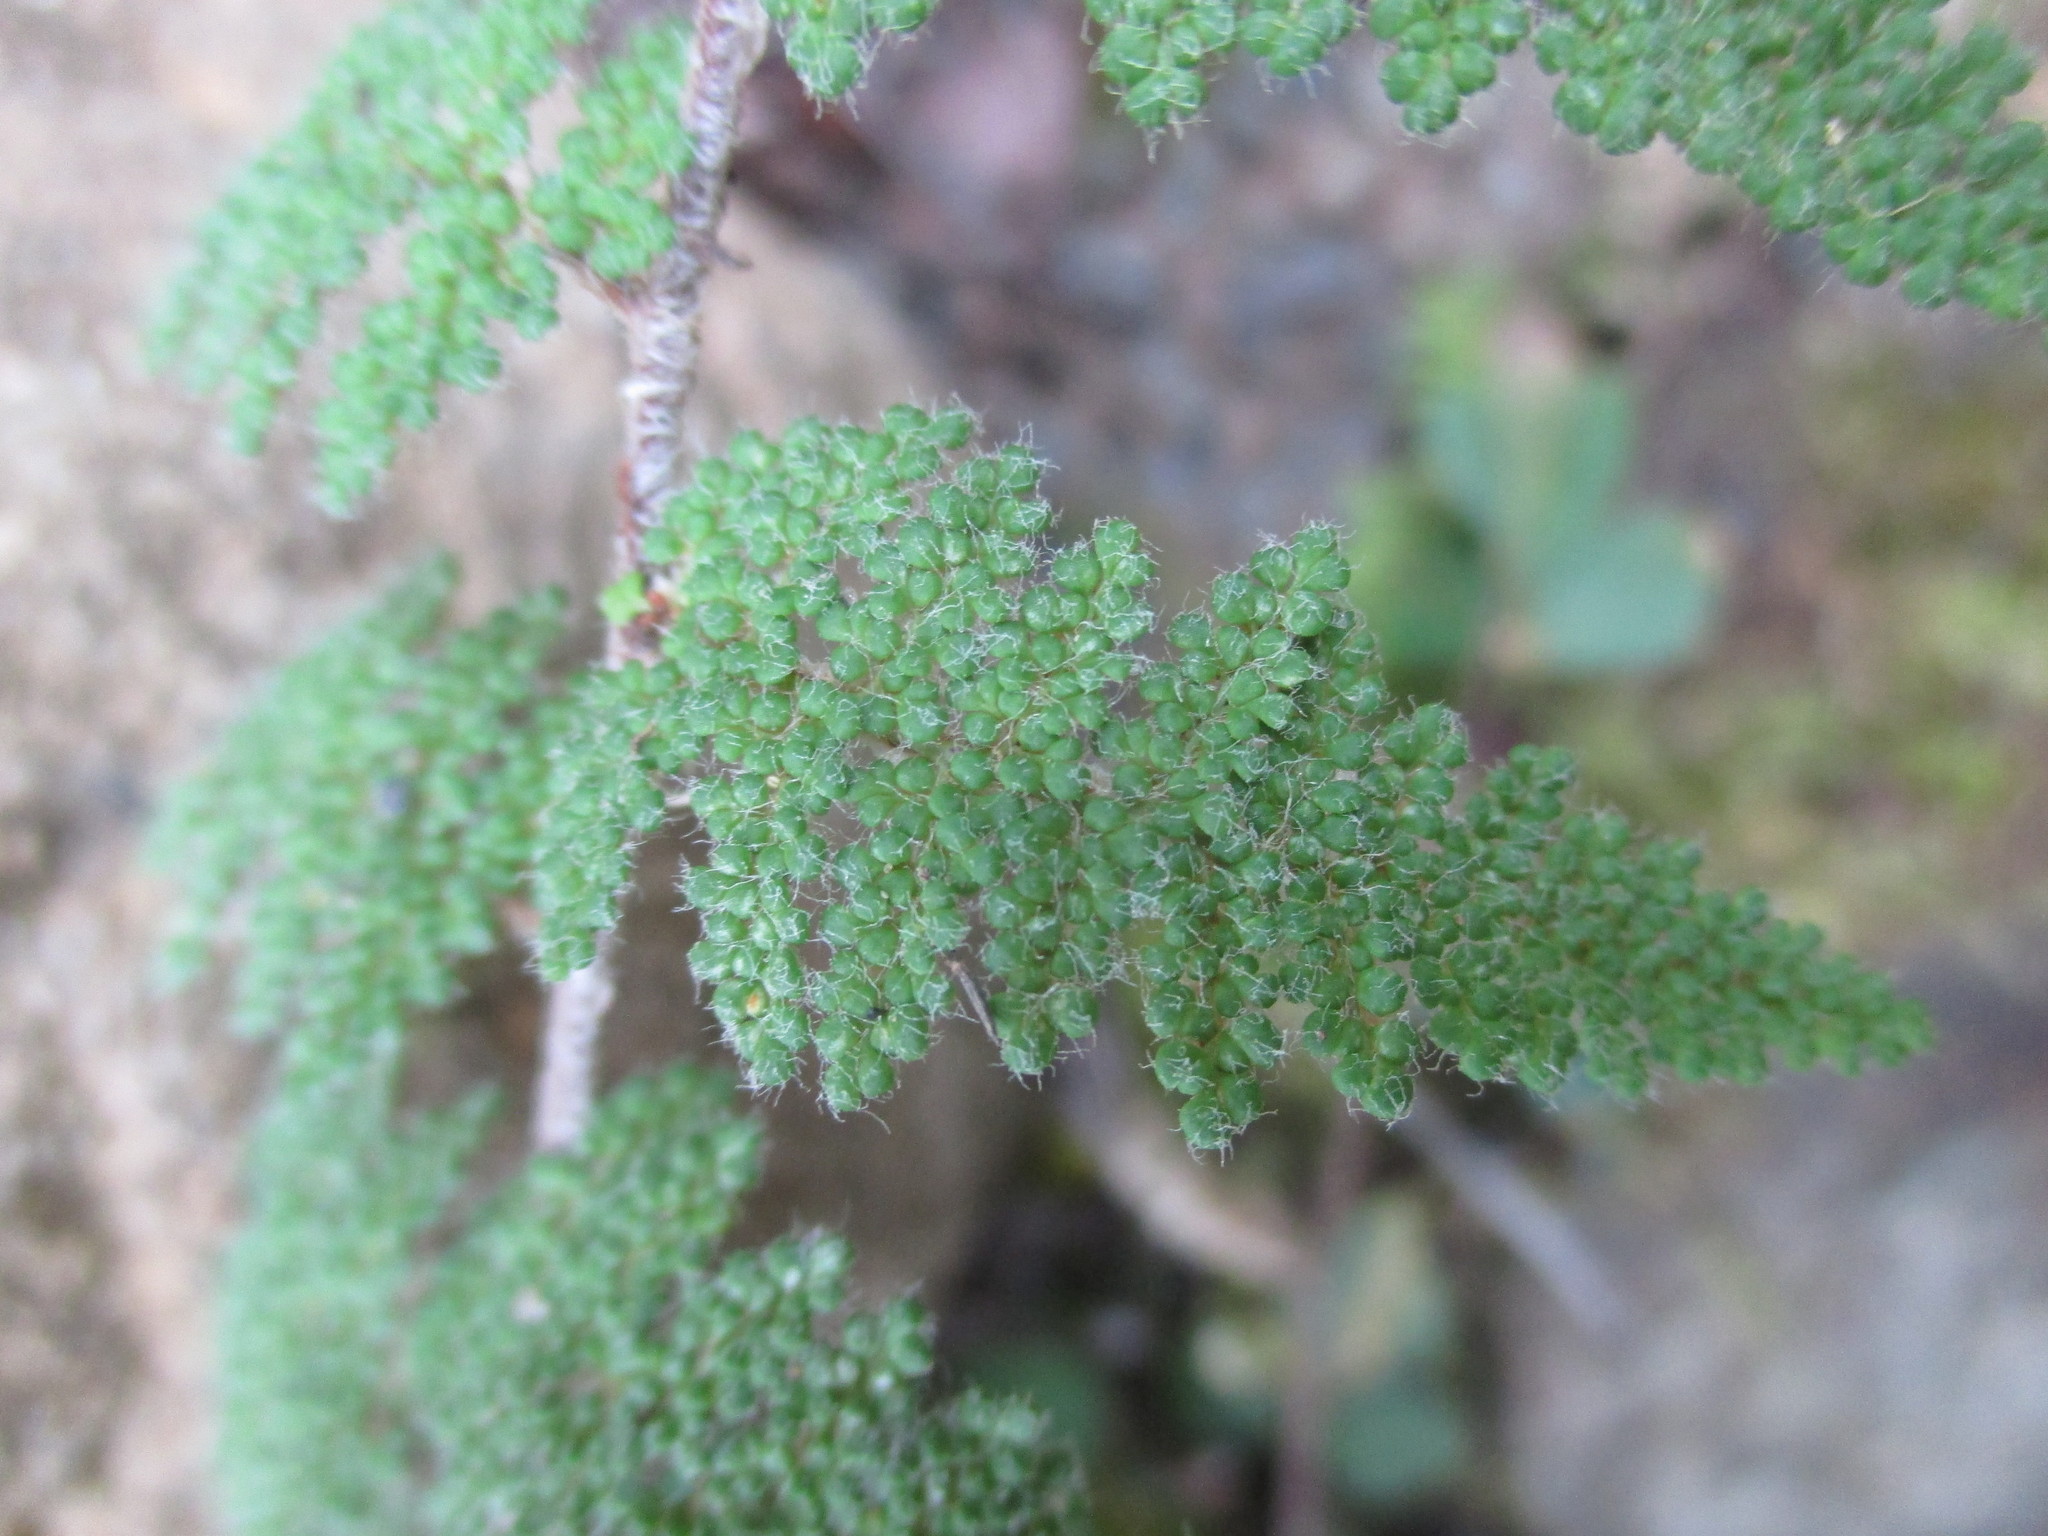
x=662, y=313
x=567, y=1082
x=662, y=309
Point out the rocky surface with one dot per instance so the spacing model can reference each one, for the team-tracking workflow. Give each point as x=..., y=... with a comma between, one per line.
x=1841, y=1296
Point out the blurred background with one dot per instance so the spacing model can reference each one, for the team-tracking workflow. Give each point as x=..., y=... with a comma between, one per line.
x=1620, y=470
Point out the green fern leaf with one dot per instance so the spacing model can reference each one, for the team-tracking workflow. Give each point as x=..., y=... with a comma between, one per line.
x=1859, y=121
x=588, y=1361
x=360, y=825
x=316, y=1436
x=603, y=800
x=918, y=737
x=420, y=129
x=829, y=42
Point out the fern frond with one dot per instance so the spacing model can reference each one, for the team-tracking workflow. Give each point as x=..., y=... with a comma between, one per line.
x=360, y=824
x=917, y=736
x=1857, y=120
x=419, y=127
x=368, y=814
x=588, y=1362
x=1854, y=118
x=316, y=1430
x=597, y=207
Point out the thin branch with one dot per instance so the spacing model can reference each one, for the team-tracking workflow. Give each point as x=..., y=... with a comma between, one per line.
x=1180, y=1203
x=662, y=313
x=566, y=1083
x=663, y=310
x=1301, y=1494
x=969, y=993
x=1533, y=1227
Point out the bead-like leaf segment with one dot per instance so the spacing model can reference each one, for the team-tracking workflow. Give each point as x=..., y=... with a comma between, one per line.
x=921, y=739
x=419, y=130
x=589, y=1361
x=1444, y=51
x=828, y=42
x=1157, y=54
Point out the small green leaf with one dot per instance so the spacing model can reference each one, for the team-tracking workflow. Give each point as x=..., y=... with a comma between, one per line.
x=624, y=600
x=1631, y=596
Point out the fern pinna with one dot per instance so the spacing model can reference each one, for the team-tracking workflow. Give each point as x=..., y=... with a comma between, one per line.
x=941, y=767
x=936, y=777
x=1855, y=118
x=919, y=739
x=360, y=835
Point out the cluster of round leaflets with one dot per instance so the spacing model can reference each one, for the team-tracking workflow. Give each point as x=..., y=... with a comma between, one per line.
x=938, y=777
x=359, y=826
x=828, y=42
x=421, y=126
x=1157, y=55
x=1444, y=51
x=602, y=206
x=1853, y=117
x=418, y=124
x=589, y=1359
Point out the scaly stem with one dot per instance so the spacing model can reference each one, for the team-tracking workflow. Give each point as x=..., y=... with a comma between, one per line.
x=662, y=312
x=567, y=1082
x=663, y=309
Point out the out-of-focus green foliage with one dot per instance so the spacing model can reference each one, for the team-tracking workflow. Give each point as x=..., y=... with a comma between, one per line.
x=828, y=42
x=1399, y=1426
x=585, y=1358
x=1387, y=1353
x=598, y=207
x=1508, y=538
x=419, y=129
x=354, y=835
x=1855, y=118
x=588, y=1361
x=359, y=825
x=1054, y=1373
x=316, y=1434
